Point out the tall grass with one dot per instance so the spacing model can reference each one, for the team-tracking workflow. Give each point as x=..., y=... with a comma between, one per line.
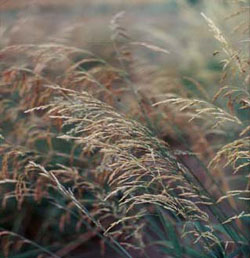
x=92, y=157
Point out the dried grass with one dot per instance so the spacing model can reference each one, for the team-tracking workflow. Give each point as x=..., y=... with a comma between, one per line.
x=71, y=146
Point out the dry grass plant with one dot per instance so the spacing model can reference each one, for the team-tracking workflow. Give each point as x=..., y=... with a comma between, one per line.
x=86, y=165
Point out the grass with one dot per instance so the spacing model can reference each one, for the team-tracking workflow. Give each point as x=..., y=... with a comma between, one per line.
x=109, y=155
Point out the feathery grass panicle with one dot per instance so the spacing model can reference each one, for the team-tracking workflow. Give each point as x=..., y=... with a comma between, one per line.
x=200, y=109
x=133, y=162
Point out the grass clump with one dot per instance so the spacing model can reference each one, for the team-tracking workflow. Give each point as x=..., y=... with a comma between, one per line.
x=93, y=156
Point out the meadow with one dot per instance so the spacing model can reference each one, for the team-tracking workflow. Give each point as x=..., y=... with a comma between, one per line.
x=124, y=128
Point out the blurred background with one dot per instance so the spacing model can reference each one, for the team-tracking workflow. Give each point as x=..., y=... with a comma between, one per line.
x=176, y=26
